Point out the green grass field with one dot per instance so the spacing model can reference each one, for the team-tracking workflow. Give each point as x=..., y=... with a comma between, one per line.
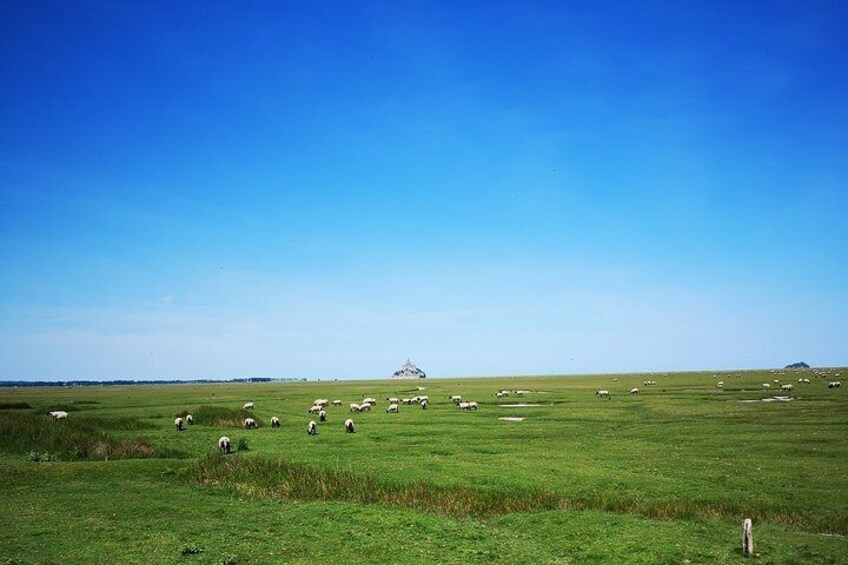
x=665, y=476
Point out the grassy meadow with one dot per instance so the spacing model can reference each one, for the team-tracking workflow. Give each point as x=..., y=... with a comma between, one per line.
x=664, y=476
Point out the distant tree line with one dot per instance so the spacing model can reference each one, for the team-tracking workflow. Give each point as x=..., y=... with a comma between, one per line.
x=148, y=382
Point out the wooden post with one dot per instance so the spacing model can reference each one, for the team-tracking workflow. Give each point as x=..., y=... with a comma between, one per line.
x=747, y=538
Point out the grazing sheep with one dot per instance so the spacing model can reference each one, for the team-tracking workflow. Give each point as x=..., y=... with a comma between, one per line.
x=59, y=414
x=371, y=401
x=464, y=405
x=355, y=407
x=250, y=423
x=248, y=406
x=455, y=398
x=765, y=385
x=806, y=381
x=392, y=408
x=224, y=444
x=392, y=400
x=337, y=403
x=720, y=385
x=321, y=402
x=423, y=398
x=349, y=426
x=634, y=390
x=406, y=400
x=189, y=419
x=275, y=422
x=500, y=394
x=787, y=388
x=365, y=407
x=834, y=384
x=472, y=405
x=312, y=428
x=322, y=416
x=423, y=404
x=179, y=424
x=314, y=409
x=602, y=394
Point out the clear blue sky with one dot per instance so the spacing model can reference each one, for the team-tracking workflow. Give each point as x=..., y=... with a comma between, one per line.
x=323, y=189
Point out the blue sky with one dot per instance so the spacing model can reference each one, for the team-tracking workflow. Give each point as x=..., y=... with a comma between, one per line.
x=212, y=190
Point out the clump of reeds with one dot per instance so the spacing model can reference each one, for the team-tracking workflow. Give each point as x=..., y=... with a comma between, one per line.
x=259, y=477
x=207, y=415
x=75, y=438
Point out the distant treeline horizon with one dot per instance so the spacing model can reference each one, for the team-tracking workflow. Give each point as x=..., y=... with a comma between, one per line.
x=116, y=382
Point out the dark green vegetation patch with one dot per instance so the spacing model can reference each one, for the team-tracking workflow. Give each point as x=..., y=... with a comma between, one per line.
x=14, y=406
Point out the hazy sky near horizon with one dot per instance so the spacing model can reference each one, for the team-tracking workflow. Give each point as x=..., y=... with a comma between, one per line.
x=323, y=189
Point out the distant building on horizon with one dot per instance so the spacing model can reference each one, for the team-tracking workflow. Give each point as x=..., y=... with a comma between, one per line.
x=409, y=371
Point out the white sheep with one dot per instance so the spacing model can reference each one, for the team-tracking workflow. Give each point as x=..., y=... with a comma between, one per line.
x=634, y=390
x=406, y=400
x=423, y=404
x=787, y=388
x=455, y=398
x=365, y=407
x=464, y=405
x=392, y=400
x=248, y=406
x=59, y=414
x=314, y=409
x=355, y=407
x=189, y=419
x=275, y=422
x=500, y=394
x=321, y=402
x=322, y=416
x=392, y=408
x=179, y=424
x=371, y=401
x=765, y=386
x=423, y=397
x=349, y=426
x=720, y=385
x=472, y=405
x=602, y=393
x=224, y=444
x=250, y=423
x=312, y=428
x=337, y=403
x=834, y=384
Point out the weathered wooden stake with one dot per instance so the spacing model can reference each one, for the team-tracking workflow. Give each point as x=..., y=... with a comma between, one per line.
x=747, y=538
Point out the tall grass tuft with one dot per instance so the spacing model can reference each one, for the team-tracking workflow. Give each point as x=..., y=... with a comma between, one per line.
x=263, y=478
x=75, y=438
x=207, y=415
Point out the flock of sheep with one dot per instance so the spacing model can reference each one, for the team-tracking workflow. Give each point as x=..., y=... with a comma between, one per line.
x=320, y=405
x=225, y=443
